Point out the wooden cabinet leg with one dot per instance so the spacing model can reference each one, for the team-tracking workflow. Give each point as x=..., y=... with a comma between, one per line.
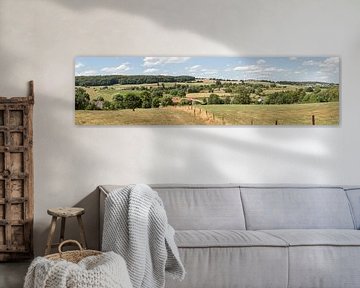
x=62, y=231
x=82, y=232
x=51, y=235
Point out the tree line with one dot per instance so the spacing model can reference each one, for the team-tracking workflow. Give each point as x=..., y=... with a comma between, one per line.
x=119, y=101
x=153, y=97
x=108, y=80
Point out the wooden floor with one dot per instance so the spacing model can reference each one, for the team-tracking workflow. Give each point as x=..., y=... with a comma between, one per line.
x=12, y=274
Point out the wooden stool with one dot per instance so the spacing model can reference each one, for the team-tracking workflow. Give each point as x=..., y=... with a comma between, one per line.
x=64, y=213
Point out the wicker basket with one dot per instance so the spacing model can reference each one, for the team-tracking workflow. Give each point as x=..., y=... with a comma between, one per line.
x=72, y=256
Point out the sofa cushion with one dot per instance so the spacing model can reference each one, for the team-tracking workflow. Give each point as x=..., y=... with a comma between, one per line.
x=296, y=208
x=220, y=267
x=322, y=258
x=354, y=198
x=324, y=266
x=203, y=207
x=226, y=238
x=317, y=237
x=191, y=207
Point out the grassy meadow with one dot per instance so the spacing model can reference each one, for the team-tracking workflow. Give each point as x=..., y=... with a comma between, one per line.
x=154, y=116
x=292, y=114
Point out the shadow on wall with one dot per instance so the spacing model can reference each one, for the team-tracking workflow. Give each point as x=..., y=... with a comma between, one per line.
x=91, y=222
x=66, y=168
x=196, y=17
x=245, y=20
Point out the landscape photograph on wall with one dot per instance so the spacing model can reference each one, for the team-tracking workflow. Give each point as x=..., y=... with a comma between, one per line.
x=207, y=90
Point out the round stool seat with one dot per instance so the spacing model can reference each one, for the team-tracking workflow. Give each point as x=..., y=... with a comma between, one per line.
x=66, y=211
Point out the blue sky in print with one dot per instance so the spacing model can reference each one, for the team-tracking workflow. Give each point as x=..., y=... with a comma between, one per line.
x=322, y=69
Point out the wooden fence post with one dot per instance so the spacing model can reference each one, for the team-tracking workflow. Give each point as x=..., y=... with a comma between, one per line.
x=276, y=122
x=313, y=119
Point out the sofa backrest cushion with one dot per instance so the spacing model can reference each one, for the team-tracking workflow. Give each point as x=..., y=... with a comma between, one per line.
x=198, y=207
x=354, y=198
x=296, y=208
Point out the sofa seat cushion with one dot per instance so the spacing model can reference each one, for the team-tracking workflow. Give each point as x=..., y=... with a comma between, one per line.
x=225, y=238
x=317, y=237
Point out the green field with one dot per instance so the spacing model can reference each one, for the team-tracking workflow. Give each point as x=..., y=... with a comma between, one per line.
x=109, y=92
x=293, y=114
x=154, y=116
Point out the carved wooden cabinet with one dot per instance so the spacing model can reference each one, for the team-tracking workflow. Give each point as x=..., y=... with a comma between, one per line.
x=16, y=177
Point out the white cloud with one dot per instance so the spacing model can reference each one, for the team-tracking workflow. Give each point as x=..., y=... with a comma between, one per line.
x=209, y=71
x=193, y=68
x=87, y=73
x=150, y=70
x=154, y=61
x=114, y=70
x=261, y=61
x=332, y=60
x=310, y=63
x=330, y=65
x=274, y=69
x=247, y=68
x=79, y=65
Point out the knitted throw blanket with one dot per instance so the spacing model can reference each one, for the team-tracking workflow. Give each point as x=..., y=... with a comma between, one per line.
x=136, y=227
x=104, y=271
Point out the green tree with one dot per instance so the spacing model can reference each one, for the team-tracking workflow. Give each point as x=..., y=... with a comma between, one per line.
x=132, y=101
x=166, y=101
x=82, y=99
x=242, y=96
x=146, y=99
x=227, y=100
x=91, y=106
x=118, y=101
x=214, y=99
x=155, y=102
x=108, y=105
x=182, y=93
x=241, y=99
x=157, y=93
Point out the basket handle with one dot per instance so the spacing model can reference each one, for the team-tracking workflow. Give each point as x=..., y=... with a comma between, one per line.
x=69, y=241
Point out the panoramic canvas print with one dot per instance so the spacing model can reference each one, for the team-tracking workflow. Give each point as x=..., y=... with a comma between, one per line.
x=207, y=90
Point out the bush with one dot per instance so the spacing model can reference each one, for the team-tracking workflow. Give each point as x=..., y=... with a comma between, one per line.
x=155, y=102
x=146, y=99
x=166, y=101
x=132, y=101
x=108, y=105
x=118, y=101
x=241, y=99
x=82, y=99
x=214, y=99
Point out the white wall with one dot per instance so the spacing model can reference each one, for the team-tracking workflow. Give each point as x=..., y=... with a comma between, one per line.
x=39, y=40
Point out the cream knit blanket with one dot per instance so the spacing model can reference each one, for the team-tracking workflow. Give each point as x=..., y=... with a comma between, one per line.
x=136, y=227
x=103, y=271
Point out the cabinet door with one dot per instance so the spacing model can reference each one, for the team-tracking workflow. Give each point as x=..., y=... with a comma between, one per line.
x=15, y=198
